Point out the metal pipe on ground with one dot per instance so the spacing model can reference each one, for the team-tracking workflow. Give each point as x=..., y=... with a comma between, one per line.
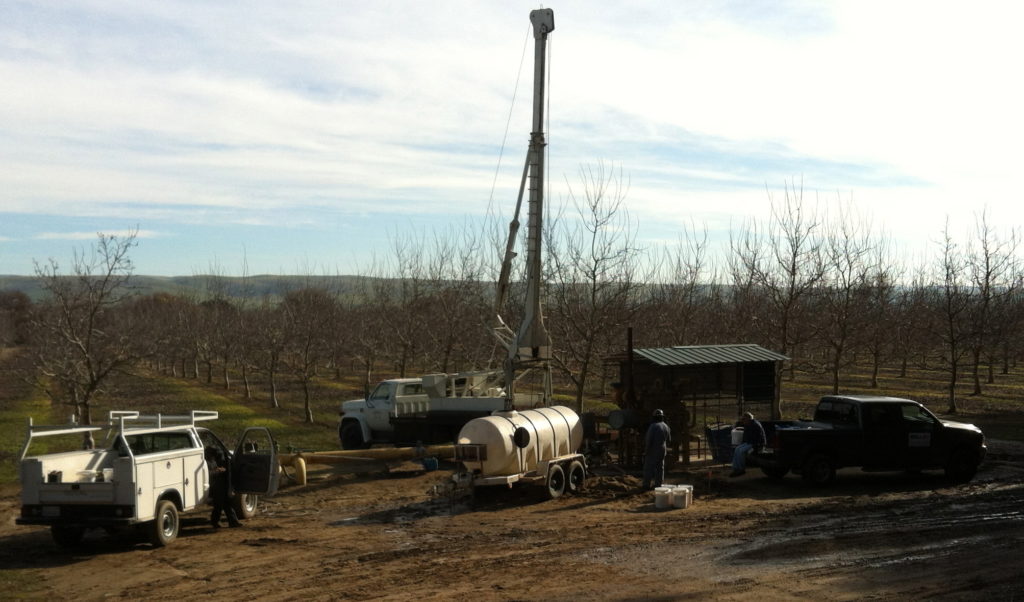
x=380, y=454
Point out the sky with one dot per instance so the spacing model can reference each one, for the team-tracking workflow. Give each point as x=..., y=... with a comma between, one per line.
x=308, y=137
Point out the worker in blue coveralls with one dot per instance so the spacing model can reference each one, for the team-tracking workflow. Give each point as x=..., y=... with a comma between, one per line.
x=753, y=440
x=655, y=446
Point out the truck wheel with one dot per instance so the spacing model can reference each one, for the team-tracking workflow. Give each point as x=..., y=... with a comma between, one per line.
x=577, y=475
x=556, y=481
x=352, y=436
x=962, y=466
x=245, y=504
x=818, y=470
x=775, y=472
x=65, y=536
x=164, y=529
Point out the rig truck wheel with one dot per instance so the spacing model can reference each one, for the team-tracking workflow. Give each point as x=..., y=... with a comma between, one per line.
x=352, y=436
x=577, y=476
x=556, y=482
x=164, y=528
x=66, y=536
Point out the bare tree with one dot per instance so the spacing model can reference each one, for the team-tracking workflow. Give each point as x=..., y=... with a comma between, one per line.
x=843, y=289
x=992, y=267
x=79, y=339
x=308, y=314
x=593, y=270
x=952, y=304
x=784, y=262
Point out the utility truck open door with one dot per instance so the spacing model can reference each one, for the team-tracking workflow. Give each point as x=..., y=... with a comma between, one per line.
x=254, y=467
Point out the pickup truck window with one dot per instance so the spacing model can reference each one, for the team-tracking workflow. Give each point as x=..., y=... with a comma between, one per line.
x=836, y=412
x=915, y=415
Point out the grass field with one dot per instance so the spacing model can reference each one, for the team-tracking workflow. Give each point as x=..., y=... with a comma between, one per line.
x=999, y=411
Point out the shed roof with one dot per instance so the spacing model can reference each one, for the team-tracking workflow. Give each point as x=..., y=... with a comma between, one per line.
x=709, y=354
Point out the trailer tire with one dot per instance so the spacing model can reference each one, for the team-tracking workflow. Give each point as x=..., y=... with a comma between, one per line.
x=66, y=536
x=164, y=528
x=577, y=476
x=818, y=470
x=246, y=504
x=556, y=482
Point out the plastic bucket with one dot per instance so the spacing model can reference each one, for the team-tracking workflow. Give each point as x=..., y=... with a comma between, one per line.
x=682, y=496
x=429, y=464
x=737, y=436
x=662, y=497
x=108, y=474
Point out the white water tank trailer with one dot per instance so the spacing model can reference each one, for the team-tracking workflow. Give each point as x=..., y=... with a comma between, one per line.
x=539, y=446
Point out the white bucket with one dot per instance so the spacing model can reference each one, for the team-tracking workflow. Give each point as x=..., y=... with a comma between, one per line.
x=737, y=435
x=662, y=497
x=108, y=474
x=682, y=496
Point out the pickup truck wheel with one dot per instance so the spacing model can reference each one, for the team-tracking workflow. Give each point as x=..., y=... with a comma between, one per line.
x=65, y=536
x=245, y=504
x=775, y=472
x=577, y=476
x=351, y=435
x=962, y=466
x=164, y=529
x=818, y=470
x=556, y=482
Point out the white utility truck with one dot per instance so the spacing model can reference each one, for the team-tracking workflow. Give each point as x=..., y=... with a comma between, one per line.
x=147, y=471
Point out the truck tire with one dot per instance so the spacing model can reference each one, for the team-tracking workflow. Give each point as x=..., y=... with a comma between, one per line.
x=351, y=435
x=818, y=470
x=164, y=529
x=577, y=476
x=66, y=536
x=556, y=482
x=962, y=465
x=245, y=504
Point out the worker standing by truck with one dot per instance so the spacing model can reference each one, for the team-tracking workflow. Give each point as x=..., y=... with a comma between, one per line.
x=220, y=488
x=655, y=447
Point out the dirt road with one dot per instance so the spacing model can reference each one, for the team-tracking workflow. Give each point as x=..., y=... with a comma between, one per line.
x=882, y=536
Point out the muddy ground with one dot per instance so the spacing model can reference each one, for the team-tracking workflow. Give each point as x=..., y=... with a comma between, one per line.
x=870, y=536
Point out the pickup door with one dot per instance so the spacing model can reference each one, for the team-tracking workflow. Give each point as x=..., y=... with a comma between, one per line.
x=902, y=436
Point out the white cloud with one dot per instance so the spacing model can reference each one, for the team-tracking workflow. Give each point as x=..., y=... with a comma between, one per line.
x=139, y=234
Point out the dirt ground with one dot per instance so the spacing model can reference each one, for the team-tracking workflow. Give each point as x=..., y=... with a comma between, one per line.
x=870, y=536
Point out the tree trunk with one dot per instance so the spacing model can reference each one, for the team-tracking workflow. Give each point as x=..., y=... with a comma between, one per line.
x=951, y=409
x=305, y=394
x=273, y=389
x=245, y=381
x=976, y=356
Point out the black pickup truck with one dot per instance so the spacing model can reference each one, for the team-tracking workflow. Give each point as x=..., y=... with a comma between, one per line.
x=872, y=432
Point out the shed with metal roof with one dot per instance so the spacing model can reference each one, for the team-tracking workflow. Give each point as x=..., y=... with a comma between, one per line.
x=715, y=382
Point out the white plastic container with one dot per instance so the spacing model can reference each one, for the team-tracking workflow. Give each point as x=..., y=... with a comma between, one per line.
x=682, y=496
x=662, y=497
x=737, y=435
x=108, y=474
x=553, y=431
